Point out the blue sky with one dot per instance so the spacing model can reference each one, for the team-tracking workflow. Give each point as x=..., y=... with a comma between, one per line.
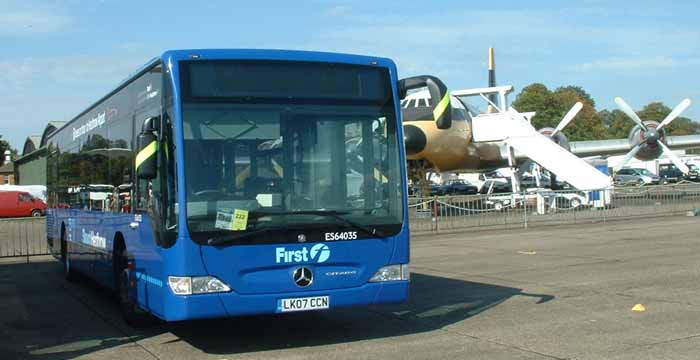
x=59, y=56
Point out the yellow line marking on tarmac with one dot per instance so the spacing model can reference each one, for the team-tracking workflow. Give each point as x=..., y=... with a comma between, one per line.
x=530, y=252
x=639, y=308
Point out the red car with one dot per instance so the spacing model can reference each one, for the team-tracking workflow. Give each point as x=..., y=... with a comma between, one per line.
x=20, y=203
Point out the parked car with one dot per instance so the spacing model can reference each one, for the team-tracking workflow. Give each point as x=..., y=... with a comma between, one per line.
x=415, y=190
x=628, y=176
x=670, y=174
x=571, y=200
x=693, y=173
x=485, y=177
x=19, y=204
x=457, y=187
x=496, y=187
x=37, y=191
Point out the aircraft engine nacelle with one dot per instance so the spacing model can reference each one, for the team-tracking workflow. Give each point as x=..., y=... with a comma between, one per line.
x=647, y=140
x=559, y=138
x=414, y=138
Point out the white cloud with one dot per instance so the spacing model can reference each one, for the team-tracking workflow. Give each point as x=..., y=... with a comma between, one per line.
x=525, y=40
x=29, y=18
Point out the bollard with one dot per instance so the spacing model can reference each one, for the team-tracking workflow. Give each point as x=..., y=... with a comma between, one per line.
x=525, y=215
x=436, y=214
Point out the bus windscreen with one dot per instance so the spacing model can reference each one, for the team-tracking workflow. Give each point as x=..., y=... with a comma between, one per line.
x=330, y=162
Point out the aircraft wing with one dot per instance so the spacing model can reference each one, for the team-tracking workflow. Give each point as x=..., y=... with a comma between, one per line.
x=599, y=147
x=622, y=146
x=683, y=142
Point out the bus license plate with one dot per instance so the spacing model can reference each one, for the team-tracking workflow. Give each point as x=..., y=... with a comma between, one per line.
x=303, y=304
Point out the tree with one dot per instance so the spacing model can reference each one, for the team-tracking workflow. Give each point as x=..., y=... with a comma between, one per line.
x=551, y=107
x=617, y=123
x=587, y=124
x=536, y=97
x=682, y=126
x=657, y=111
x=581, y=94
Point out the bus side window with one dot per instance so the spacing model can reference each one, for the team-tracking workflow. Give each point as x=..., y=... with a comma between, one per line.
x=121, y=158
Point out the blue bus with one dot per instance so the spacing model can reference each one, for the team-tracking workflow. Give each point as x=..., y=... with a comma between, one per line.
x=218, y=183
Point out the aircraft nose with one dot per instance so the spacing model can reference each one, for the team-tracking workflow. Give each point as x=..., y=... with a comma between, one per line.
x=414, y=138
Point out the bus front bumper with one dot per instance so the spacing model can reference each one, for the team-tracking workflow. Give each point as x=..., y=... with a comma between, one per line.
x=231, y=304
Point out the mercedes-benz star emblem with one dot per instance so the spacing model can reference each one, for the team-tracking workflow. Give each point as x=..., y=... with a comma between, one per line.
x=303, y=277
x=301, y=238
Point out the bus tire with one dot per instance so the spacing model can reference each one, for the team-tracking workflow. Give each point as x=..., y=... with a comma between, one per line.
x=68, y=272
x=132, y=313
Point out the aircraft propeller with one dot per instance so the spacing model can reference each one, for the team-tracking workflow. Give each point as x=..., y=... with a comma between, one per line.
x=652, y=134
x=555, y=135
x=568, y=117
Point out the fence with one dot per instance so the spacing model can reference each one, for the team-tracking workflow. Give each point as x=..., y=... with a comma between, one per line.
x=23, y=237
x=27, y=236
x=527, y=209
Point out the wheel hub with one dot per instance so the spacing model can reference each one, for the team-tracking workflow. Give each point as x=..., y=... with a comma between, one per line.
x=651, y=136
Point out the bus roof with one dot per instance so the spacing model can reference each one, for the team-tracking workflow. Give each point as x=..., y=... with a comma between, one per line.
x=262, y=54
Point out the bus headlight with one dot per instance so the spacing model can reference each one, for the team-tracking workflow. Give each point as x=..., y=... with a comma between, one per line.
x=186, y=285
x=208, y=284
x=392, y=273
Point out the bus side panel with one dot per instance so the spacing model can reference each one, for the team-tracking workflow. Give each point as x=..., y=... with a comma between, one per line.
x=91, y=236
x=112, y=224
x=53, y=233
x=401, y=253
x=80, y=254
x=149, y=265
x=141, y=250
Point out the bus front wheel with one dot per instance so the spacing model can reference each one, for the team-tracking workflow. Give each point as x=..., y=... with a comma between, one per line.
x=132, y=313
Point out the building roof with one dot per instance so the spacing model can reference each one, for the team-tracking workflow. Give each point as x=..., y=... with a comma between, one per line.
x=31, y=144
x=50, y=128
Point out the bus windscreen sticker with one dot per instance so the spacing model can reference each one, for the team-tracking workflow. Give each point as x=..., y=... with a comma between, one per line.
x=236, y=220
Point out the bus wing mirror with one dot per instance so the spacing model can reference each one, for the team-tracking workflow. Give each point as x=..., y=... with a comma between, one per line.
x=146, y=155
x=439, y=97
x=151, y=124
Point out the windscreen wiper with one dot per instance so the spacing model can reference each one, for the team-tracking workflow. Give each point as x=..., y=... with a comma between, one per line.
x=225, y=239
x=329, y=213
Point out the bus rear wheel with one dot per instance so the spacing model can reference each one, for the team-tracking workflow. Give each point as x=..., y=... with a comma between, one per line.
x=68, y=272
x=132, y=313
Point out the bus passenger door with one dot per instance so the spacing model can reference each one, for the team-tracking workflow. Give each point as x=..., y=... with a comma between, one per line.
x=147, y=251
